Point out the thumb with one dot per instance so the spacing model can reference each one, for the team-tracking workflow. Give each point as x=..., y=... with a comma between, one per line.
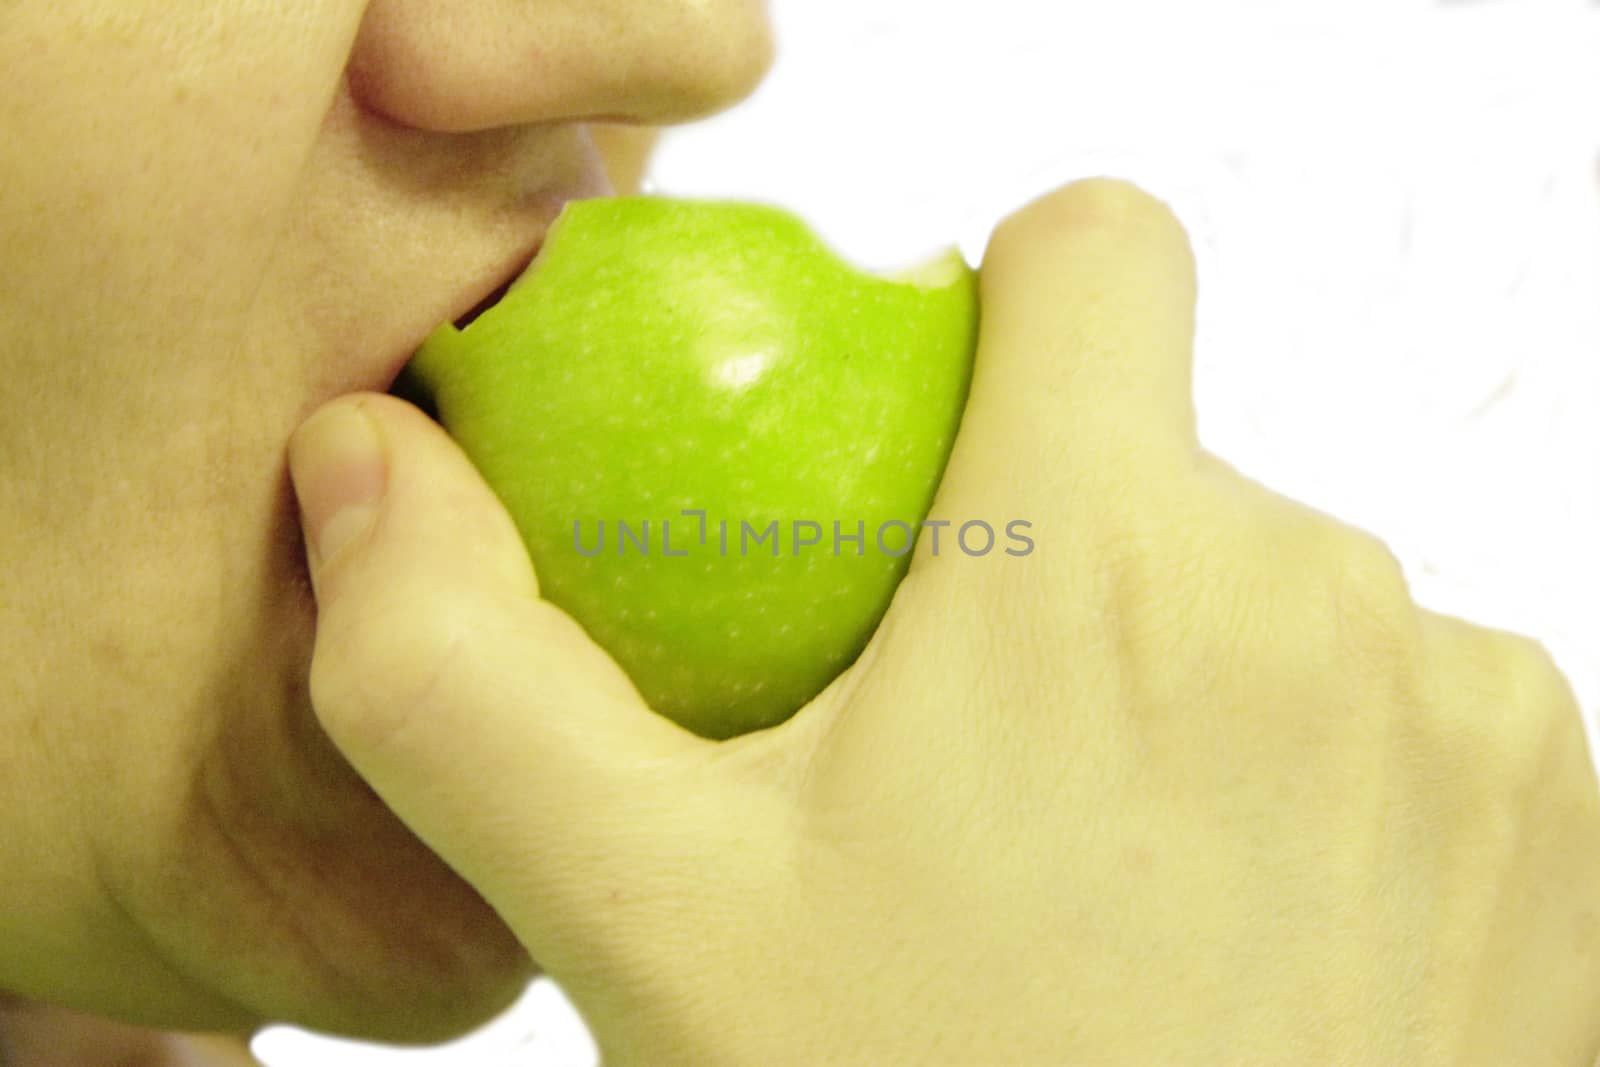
x=483, y=716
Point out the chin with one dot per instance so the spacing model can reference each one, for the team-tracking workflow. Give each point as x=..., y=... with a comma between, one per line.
x=281, y=885
x=399, y=946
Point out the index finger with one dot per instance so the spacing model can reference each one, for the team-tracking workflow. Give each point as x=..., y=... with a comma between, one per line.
x=1082, y=389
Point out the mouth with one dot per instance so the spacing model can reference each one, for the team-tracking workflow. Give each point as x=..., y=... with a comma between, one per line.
x=497, y=279
x=498, y=276
x=495, y=295
x=469, y=302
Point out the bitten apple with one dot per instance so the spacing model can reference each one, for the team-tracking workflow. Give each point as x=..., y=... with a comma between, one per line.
x=717, y=439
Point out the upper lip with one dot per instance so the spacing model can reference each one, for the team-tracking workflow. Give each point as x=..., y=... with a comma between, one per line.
x=476, y=299
x=498, y=290
x=542, y=209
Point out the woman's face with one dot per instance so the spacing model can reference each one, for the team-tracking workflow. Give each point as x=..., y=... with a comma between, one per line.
x=214, y=216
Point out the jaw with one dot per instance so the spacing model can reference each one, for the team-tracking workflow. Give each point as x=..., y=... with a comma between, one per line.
x=263, y=877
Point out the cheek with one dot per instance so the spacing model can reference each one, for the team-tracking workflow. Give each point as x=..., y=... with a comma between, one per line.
x=176, y=628
x=166, y=528
x=151, y=152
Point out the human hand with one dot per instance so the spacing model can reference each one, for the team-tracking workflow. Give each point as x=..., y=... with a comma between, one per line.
x=1195, y=782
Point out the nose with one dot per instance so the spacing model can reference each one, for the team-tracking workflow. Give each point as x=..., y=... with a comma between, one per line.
x=464, y=65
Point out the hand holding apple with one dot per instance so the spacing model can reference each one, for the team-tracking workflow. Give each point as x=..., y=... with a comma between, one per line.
x=1194, y=783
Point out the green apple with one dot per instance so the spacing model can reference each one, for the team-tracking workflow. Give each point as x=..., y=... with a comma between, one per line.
x=677, y=402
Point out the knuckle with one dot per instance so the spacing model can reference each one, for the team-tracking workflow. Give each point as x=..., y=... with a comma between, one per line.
x=1505, y=719
x=1375, y=617
x=1092, y=202
x=1119, y=201
x=1540, y=707
x=1535, y=682
x=1107, y=200
x=1285, y=592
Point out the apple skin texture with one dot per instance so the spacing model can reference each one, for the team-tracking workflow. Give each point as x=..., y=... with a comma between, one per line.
x=662, y=356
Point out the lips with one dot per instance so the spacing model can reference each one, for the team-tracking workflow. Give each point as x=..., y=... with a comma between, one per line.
x=590, y=181
x=539, y=208
x=486, y=303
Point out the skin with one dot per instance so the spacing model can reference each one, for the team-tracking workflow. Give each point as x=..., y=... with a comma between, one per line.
x=1208, y=720
x=1195, y=783
x=215, y=218
x=39, y=1035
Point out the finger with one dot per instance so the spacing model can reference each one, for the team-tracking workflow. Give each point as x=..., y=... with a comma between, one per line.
x=1081, y=392
x=1077, y=448
x=485, y=717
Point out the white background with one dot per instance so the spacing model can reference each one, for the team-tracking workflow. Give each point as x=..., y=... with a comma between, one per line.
x=1396, y=209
